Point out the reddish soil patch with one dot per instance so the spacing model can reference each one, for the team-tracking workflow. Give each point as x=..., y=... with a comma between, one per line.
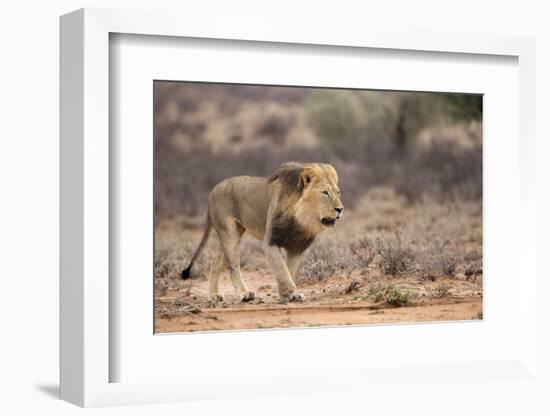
x=327, y=304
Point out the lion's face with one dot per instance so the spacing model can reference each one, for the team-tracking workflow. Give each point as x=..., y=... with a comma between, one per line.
x=320, y=206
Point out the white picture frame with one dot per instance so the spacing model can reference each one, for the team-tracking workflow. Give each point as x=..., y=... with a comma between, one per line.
x=86, y=356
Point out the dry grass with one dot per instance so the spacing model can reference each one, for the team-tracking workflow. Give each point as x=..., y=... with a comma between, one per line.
x=171, y=257
x=326, y=258
x=252, y=255
x=440, y=259
x=323, y=259
x=362, y=252
x=441, y=290
x=396, y=257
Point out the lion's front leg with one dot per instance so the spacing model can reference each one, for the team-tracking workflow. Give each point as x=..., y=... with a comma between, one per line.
x=293, y=262
x=287, y=287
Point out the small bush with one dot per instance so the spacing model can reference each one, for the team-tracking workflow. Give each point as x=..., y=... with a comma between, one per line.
x=395, y=256
x=390, y=293
x=427, y=270
x=396, y=297
x=377, y=290
x=441, y=290
x=440, y=261
x=447, y=263
x=362, y=253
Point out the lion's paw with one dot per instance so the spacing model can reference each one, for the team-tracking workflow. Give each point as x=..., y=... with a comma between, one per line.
x=247, y=296
x=293, y=297
x=217, y=298
x=297, y=297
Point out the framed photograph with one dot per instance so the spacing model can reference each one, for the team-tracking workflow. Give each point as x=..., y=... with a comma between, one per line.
x=269, y=212
x=267, y=169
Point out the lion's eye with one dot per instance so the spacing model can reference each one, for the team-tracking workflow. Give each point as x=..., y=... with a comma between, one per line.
x=326, y=193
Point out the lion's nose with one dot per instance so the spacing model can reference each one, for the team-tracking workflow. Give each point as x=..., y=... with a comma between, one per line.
x=339, y=210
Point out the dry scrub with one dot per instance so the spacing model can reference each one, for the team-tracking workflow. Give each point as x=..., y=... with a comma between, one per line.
x=396, y=257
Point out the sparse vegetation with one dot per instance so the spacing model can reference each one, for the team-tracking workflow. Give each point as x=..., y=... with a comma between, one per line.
x=352, y=287
x=446, y=262
x=396, y=257
x=441, y=290
x=171, y=258
x=398, y=297
x=362, y=253
x=377, y=290
x=471, y=273
x=474, y=265
x=252, y=255
x=440, y=260
x=323, y=259
x=390, y=293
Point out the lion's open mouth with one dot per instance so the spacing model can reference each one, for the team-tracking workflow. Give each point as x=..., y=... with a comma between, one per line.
x=329, y=222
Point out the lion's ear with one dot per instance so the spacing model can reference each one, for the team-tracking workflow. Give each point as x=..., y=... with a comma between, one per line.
x=307, y=176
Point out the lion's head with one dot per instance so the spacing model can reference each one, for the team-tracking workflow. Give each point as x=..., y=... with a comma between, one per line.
x=312, y=194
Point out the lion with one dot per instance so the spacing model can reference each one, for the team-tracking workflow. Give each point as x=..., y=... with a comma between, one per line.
x=286, y=211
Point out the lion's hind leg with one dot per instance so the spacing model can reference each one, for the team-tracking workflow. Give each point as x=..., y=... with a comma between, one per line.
x=230, y=237
x=214, y=295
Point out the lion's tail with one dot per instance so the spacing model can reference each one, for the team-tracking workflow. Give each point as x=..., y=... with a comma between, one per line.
x=185, y=274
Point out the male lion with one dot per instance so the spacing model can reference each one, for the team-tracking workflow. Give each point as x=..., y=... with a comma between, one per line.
x=286, y=211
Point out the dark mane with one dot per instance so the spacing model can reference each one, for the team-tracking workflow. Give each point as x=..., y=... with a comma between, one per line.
x=289, y=176
x=286, y=232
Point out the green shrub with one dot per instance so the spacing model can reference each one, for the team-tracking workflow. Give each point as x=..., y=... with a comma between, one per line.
x=397, y=297
x=441, y=290
x=390, y=293
x=335, y=115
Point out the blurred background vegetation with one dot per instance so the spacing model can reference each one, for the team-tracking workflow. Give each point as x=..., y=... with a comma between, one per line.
x=416, y=143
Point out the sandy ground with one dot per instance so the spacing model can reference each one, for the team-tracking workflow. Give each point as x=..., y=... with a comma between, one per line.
x=327, y=303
